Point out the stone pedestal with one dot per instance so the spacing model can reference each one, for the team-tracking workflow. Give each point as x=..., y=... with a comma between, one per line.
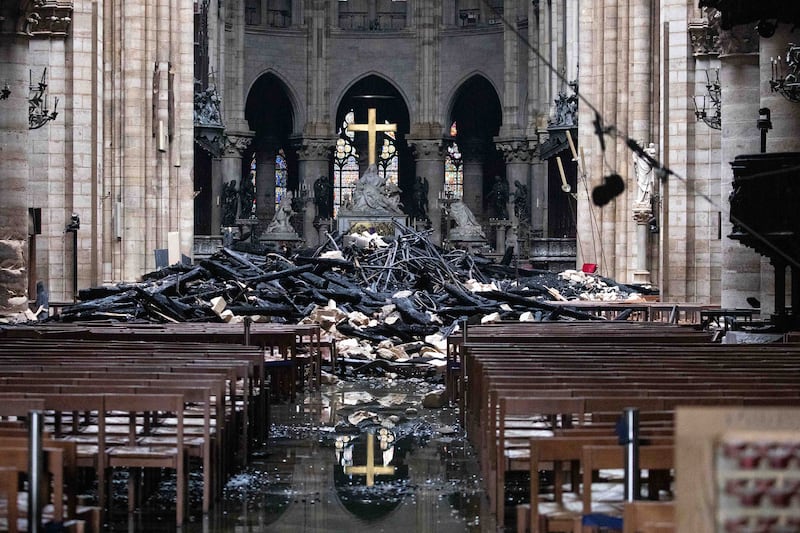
x=323, y=227
x=471, y=243
x=281, y=241
x=382, y=224
x=500, y=225
x=642, y=213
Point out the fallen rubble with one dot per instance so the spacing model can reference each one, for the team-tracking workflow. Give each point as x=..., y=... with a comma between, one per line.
x=382, y=299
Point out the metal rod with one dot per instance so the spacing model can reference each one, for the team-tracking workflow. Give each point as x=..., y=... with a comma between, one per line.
x=247, y=320
x=35, y=471
x=75, y=265
x=632, y=474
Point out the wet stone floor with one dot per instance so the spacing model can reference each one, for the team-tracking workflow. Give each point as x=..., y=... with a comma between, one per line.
x=313, y=475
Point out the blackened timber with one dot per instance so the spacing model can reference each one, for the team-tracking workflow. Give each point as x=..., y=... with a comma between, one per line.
x=279, y=274
x=326, y=262
x=409, y=312
x=342, y=295
x=221, y=270
x=264, y=308
x=531, y=303
x=347, y=329
x=239, y=258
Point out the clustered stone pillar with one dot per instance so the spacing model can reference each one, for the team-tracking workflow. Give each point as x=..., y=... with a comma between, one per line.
x=313, y=157
x=14, y=170
x=231, y=168
x=428, y=154
x=739, y=79
x=472, y=154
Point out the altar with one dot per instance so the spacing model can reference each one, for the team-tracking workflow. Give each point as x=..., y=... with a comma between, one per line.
x=384, y=225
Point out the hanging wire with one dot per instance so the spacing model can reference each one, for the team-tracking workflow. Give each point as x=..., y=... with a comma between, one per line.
x=661, y=171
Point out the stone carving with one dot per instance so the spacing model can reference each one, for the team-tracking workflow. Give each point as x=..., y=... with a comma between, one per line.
x=206, y=108
x=643, y=170
x=282, y=221
x=420, y=207
x=499, y=198
x=230, y=199
x=520, y=200
x=566, y=110
x=374, y=195
x=467, y=228
x=247, y=198
x=704, y=34
x=322, y=197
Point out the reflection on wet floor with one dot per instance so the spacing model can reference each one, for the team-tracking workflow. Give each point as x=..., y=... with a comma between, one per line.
x=316, y=472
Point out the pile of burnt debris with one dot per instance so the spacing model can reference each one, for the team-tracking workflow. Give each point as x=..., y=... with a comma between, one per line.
x=372, y=294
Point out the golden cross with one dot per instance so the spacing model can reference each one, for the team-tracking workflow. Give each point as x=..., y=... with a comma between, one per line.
x=370, y=469
x=371, y=127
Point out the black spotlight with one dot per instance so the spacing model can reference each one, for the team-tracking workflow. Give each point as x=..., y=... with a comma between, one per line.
x=612, y=186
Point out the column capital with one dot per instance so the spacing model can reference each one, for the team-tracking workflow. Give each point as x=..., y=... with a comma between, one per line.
x=426, y=148
x=642, y=213
x=516, y=150
x=236, y=143
x=314, y=148
x=53, y=17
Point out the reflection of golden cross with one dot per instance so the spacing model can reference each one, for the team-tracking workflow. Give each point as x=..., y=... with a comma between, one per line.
x=370, y=469
x=371, y=127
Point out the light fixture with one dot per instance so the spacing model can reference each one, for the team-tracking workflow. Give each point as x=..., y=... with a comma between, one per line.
x=5, y=92
x=38, y=113
x=708, y=107
x=786, y=78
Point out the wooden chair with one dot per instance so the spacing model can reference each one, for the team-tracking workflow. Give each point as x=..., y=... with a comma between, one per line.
x=135, y=457
x=648, y=517
x=595, y=458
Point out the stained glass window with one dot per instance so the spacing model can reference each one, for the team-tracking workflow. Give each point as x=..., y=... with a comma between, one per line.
x=387, y=160
x=453, y=169
x=345, y=162
x=281, y=176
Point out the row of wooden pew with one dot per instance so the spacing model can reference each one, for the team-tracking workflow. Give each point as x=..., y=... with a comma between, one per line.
x=151, y=397
x=542, y=396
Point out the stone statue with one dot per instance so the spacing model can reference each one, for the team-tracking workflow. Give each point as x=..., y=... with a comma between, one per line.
x=499, y=196
x=247, y=198
x=420, y=209
x=520, y=200
x=206, y=107
x=230, y=197
x=372, y=194
x=643, y=170
x=466, y=225
x=282, y=221
x=322, y=197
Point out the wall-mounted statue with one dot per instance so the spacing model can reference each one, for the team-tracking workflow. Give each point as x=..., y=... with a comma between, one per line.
x=499, y=198
x=323, y=197
x=420, y=194
x=230, y=201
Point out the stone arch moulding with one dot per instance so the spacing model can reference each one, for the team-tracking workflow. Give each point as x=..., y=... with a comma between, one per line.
x=298, y=112
x=356, y=79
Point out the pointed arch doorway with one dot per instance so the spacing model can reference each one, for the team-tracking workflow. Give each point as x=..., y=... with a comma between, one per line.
x=475, y=110
x=270, y=160
x=393, y=155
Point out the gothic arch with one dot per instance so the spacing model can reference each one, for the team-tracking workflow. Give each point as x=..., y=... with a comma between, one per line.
x=366, y=77
x=280, y=93
x=473, y=84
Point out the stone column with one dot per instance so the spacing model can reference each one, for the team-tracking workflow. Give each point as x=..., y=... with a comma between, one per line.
x=14, y=167
x=784, y=137
x=642, y=213
x=472, y=155
x=231, y=167
x=739, y=79
x=429, y=158
x=518, y=156
x=313, y=159
x=265, y=180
